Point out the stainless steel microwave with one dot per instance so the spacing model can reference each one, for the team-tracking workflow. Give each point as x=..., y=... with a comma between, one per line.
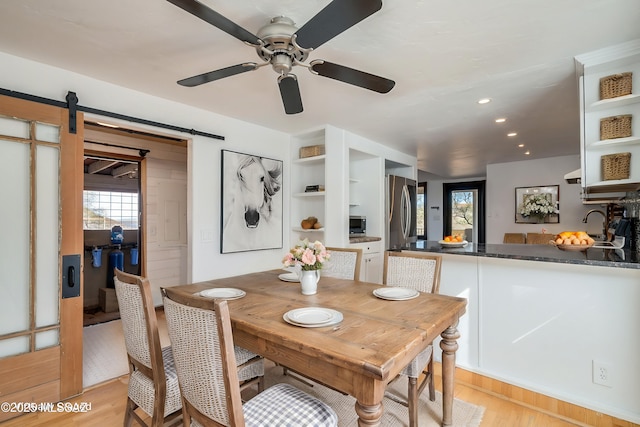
x=357, y=226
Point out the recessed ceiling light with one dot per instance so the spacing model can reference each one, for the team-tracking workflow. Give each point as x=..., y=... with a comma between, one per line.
x=501, y=120
x=512, y=134
x=527, y=152
x=520, y=145
x=484, y=101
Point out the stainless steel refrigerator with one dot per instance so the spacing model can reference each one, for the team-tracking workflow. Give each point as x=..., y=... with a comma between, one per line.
x=400, y=211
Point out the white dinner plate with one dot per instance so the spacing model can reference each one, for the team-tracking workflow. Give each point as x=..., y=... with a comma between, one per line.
x=337, y=319
x=312, y=317
x=289, y=277
x=453, y=244
x=224, y=293
x=395, y=293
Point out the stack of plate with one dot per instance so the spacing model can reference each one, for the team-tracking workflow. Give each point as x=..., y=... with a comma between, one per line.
x=222, y=293
x=395, y=293
x=312, y=317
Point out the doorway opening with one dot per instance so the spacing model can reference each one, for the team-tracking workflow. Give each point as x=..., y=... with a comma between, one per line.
x=464, y=210
x=111, y=230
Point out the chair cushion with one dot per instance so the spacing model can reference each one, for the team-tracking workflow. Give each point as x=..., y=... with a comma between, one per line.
x=251, y=370
x=141, y=389
x=417, y=365
x=285, y=405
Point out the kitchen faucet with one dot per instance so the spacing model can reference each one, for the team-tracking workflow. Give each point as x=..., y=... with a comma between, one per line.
x=604, y=222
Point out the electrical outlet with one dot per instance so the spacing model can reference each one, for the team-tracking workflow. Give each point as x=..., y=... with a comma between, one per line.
x=602, y=373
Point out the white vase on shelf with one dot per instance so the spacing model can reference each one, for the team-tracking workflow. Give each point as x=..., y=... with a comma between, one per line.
x=309, y=281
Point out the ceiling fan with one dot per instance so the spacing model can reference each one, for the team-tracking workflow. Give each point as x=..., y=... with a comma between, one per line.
x=283, y=45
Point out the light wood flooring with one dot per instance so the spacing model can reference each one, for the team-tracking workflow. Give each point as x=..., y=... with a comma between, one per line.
x=108, y=404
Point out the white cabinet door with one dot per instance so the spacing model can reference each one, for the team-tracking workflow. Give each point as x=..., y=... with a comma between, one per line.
x=371, y=269
x=372, y=261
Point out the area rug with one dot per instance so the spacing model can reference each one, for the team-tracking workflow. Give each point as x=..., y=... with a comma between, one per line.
x=103, y=352
x=395, y=415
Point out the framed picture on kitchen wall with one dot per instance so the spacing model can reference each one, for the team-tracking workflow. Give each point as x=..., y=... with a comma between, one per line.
x=251, y=203
x=538, y=205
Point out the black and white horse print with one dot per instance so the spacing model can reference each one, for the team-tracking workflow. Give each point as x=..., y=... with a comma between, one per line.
x=252, y=202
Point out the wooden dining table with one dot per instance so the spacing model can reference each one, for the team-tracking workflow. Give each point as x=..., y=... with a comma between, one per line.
x=360, y=355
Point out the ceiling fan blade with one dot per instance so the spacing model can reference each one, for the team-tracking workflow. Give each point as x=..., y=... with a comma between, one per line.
x=336, y=17
x=351, y=76
x=218, y=74
x=203, y=12
x=290, y=93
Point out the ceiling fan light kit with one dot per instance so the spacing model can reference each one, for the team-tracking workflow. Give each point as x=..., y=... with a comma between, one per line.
x=283, y=46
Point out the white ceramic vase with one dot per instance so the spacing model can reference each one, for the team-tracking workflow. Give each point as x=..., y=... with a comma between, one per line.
x=309, y=281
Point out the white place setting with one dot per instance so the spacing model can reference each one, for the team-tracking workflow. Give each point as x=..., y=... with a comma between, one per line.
x=395, y=293
x=222, y=293
x=312, y=317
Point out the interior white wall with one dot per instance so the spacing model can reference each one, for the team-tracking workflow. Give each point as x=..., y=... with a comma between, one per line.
x=501, y=182
x=206, y=262
x=503, y=178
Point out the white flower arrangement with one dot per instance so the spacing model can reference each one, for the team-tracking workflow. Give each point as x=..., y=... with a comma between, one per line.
x=538, y=205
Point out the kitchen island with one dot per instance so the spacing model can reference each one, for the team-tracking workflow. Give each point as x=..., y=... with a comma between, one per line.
x=546, y=320
x=623, y=258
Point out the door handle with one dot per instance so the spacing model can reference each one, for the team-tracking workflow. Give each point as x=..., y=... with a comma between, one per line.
x=71, y=276
x=71, y=268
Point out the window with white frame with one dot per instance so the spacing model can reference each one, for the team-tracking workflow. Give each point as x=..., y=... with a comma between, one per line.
x=104, y=209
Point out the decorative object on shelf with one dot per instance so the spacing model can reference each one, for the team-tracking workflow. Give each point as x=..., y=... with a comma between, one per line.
x=311, y=151
x=313, y=188
x=615, y=127
x=251, y=203
x=310, y=223
x=615, y=166
x=537, y=205
x=308, y=258
x=616, y=85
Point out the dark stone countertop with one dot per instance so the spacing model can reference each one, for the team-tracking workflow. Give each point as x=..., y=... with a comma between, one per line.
x=623, y=258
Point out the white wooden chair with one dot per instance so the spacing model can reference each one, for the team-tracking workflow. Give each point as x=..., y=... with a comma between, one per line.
x=419, y=271
x=344, y=263
x=202, y=343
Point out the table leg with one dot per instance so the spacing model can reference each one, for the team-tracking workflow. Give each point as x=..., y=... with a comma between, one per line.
x=369, y=415
x=449, y=346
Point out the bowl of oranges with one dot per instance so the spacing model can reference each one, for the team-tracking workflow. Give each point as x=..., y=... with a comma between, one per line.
x=573, y=241
x=453, y=242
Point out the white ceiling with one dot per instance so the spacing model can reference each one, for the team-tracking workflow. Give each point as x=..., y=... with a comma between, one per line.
x=443, y=56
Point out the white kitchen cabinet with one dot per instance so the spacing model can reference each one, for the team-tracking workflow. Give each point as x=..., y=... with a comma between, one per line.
x=593, y=67
x=372, y=261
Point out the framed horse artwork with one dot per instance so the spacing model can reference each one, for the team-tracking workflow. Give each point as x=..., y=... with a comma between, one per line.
x=251, y=203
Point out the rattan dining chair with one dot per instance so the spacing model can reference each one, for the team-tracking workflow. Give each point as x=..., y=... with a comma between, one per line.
x=153, y=382
x=514, y=238
x=539, y=238
x=344, y=263
x=202, y=343
x=419, y=271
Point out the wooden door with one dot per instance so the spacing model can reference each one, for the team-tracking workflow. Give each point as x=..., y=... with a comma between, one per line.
x=41, y=220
